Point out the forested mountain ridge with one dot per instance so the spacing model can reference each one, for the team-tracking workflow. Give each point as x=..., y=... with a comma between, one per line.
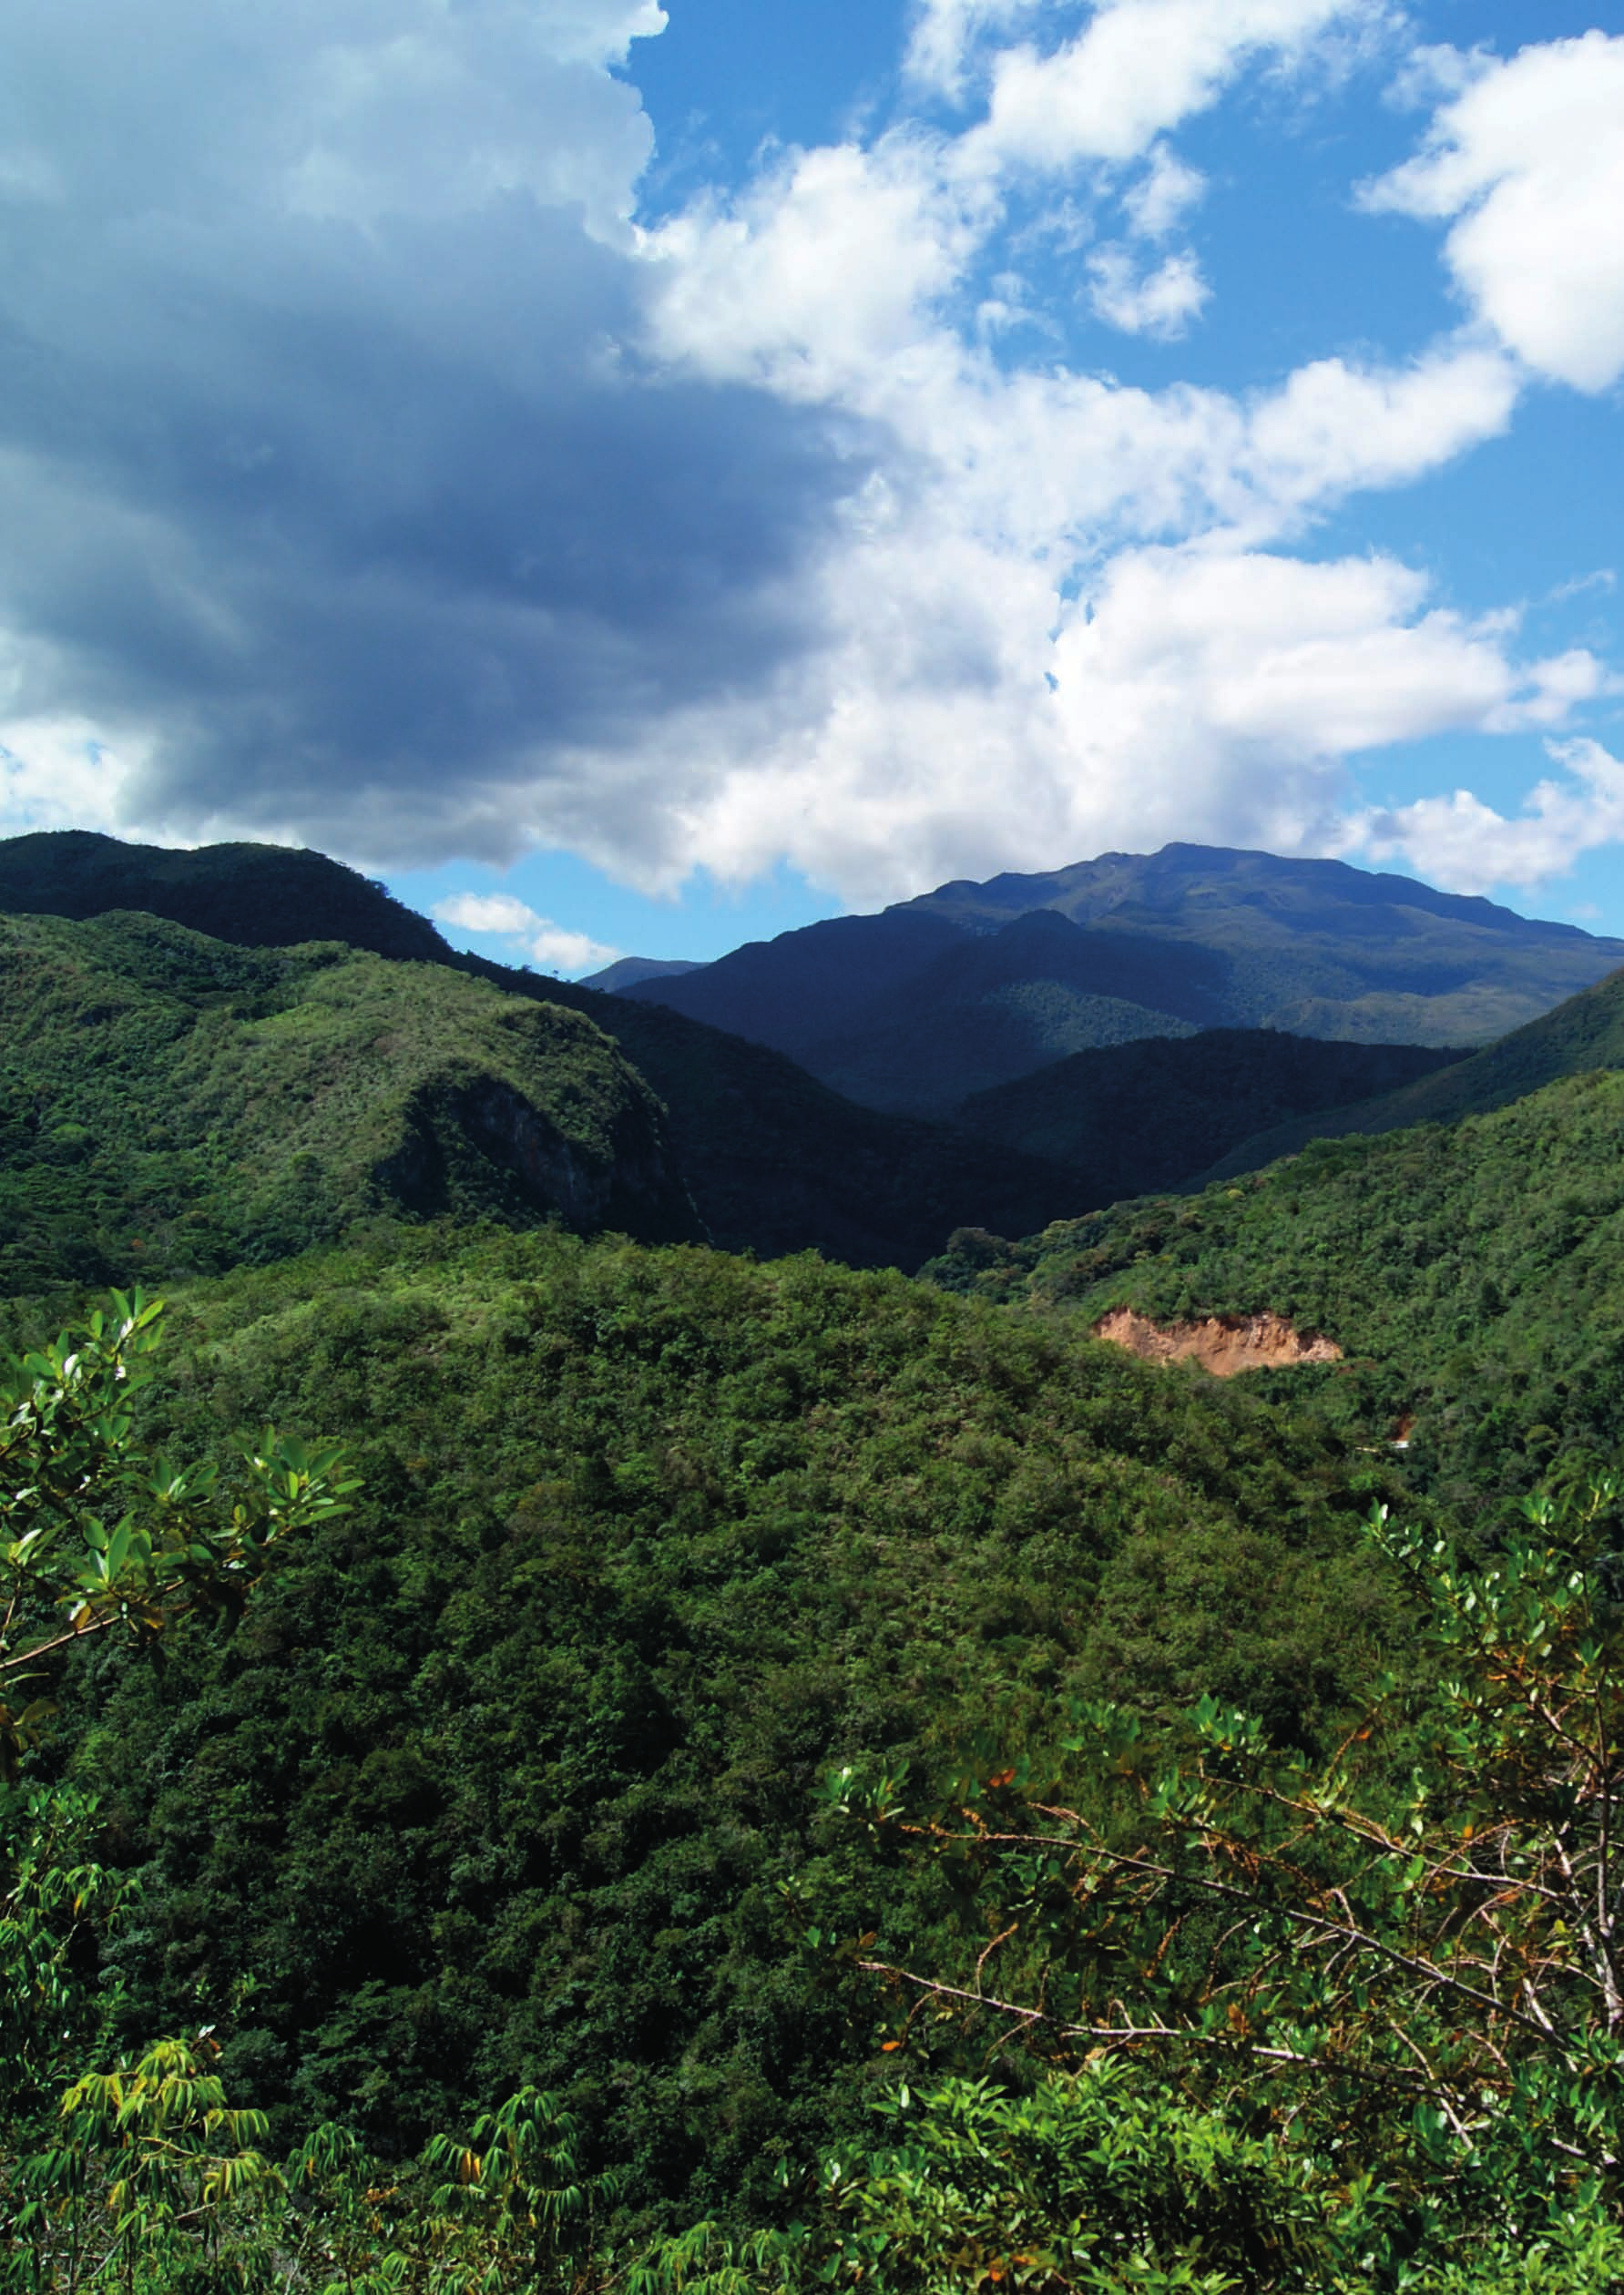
x=170, y=1105
x=1587, y=1032
x=254, y=895
x=773, y=1160
x=974, y=985
x=1136, y=1118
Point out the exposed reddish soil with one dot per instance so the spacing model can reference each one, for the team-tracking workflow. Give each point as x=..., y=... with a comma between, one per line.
x=1222, y=1344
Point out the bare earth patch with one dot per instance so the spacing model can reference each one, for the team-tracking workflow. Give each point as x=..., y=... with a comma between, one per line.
x=1222, y=1344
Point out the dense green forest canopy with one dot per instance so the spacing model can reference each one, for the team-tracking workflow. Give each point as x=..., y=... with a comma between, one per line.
x=506, y=1775
x=171, y=1105
x=705, y=1636
x=1473, y=1275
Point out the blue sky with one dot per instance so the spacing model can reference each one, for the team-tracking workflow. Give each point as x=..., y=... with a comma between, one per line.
x=639, y=479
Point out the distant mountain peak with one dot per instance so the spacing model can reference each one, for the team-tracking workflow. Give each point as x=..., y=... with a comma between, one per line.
x=900, y=1011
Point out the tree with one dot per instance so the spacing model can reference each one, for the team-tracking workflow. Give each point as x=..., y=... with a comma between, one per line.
x=142, y=2175
x=1407, y=1962
x=98, y=1535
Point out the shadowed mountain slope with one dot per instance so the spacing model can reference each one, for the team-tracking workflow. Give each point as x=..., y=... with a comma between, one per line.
x=1136, y=1118
x=1585, y=1033
x=778, y=1162
x=934, y=997
x=254, y=895
x=774, y=1161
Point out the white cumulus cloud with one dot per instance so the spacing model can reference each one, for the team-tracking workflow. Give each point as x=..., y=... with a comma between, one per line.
x=1461, y=843
x=1136, y=70
x=1527, y=164
x=1159, y=301
x=1164, y=194
x=372, y=473
x=500, y=916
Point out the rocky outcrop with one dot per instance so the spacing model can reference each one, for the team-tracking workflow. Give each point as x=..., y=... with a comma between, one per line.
x=1223, y=1344
x=475, y=1143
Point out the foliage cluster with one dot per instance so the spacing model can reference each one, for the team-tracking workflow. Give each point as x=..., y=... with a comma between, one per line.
x=510, y=1776
x=1474, y=1276
x=1319, y=2022
x=171, y=1104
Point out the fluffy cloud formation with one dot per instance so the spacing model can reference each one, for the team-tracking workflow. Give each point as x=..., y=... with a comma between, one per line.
x=1461, y=841
x=1138, y=68
x=1198, y=692
x=1160, y=302
x=372, y=473
x=1163, y=195
x=554, y=947
x=1528, y=159
x=335, y=495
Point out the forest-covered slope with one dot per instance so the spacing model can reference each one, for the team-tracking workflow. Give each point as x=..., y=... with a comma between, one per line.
x=1472, y=1274
x=520, y=1771
x=773, y=1160
x=778, y=1162
x=170, y=1105
x=1134, y=1117
x=254, y=895
x=513, y=1774
x=1587, y=1032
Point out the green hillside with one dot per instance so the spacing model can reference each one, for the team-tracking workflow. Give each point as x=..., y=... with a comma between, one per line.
x=773, y=1161
x=778, y=1162
x=170, y=1105
x=1586, y=1032
x=1134, y=1117
x=1473, y=1274
x=514, y=1773
x=254, y=895
x=837, y=1737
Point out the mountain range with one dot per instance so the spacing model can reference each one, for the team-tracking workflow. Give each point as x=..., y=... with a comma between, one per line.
x=974, y=985
x=735, y=1137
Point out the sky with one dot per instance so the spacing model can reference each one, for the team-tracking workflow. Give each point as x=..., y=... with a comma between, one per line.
x=640, y=478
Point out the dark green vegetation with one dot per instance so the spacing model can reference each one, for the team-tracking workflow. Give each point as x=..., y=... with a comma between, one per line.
x=1583, y=1034
x=770, y=1160
x=504, y=1775
x=739, y=1697
x=1156, y=1113
x=976, y=984
x=174, y=1105
x=1473, y=1274
x=255, y=895
x=776, y=1162
x=561, y=1803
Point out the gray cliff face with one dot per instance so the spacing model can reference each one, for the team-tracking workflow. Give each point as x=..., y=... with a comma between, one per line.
x=521, y=1140
x=477, y=1142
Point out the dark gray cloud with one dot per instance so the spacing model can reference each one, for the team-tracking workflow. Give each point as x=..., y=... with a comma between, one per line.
x=330, y=468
